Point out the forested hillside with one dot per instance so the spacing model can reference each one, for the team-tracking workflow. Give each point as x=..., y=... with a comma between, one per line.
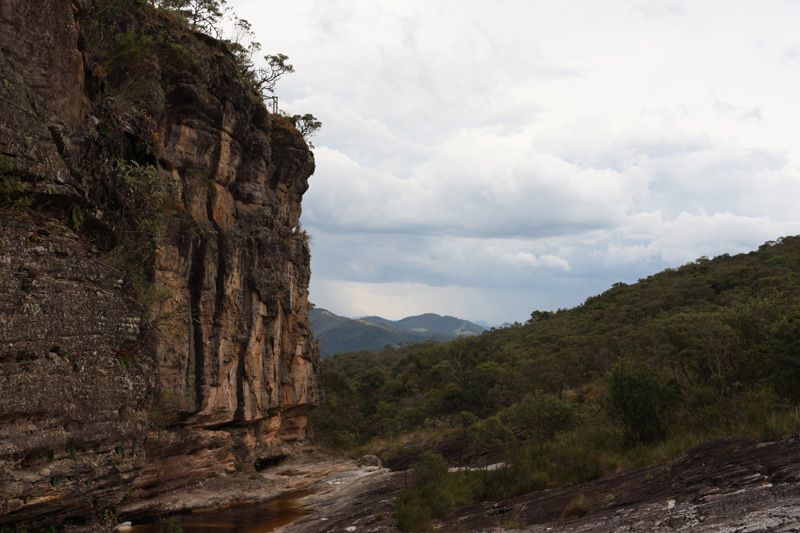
x=635, y=374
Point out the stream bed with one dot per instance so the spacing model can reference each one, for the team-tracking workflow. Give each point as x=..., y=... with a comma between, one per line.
x=239, y=517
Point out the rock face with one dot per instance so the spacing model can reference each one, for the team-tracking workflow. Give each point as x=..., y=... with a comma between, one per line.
x=154, y=296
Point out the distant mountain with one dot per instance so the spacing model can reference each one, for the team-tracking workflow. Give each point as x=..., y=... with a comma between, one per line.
x=431, y=325
x=338, y=334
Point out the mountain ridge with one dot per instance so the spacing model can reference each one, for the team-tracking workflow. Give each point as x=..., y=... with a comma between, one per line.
x=338, y=334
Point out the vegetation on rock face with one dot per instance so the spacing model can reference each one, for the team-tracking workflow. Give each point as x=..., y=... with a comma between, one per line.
x=142, y=198
x=212, y=17
x=202, y=15
x=306, y=124
x=13, y=193
x=634, y=375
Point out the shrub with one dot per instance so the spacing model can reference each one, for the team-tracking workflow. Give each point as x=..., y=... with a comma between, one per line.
x=13, y=192
x=785, y=346
x=577, y=506
x=432, y=494
x=540, y=416
x=640, y=400
x=143, y=196
x=489, y=434
x=412, y=513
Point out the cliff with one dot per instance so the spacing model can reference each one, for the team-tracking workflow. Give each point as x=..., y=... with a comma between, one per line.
x=153, y=276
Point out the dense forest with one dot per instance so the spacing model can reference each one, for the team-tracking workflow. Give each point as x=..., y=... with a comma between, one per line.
x=634, y=375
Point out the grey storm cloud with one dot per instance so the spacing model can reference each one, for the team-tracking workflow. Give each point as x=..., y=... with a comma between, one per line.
x=487, y=160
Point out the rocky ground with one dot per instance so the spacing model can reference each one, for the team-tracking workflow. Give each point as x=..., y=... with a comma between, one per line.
x=726, y=485
x=354, y=500
x=305, y=470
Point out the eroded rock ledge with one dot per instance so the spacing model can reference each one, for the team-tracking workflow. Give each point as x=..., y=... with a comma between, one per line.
x=120, y=381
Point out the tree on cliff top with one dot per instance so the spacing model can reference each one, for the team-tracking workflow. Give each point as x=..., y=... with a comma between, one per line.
x=202, y=15
x=209, y=17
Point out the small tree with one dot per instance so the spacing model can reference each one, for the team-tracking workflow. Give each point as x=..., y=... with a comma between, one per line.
x=307, y=125
x=244, y=47
x=265, y=78
x=202, y=15
x=207, y=16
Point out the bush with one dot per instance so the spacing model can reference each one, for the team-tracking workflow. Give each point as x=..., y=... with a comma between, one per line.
x=13, y=192
x=412, y=513
x=785, y=346
x=540, y=416
x=489, y=434
x=577, y=506
x=640, y=401
x=432, y=496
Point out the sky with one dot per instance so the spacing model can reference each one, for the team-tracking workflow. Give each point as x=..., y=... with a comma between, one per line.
x=486, y=159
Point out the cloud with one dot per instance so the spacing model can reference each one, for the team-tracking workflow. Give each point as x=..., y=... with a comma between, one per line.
x=475, y=184
x=792, y=52
x=660, y=8
x=741, y=113
x=487, y=162
x=688, y=236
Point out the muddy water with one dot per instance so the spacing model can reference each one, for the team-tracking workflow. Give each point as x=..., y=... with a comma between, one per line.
x=241, y=517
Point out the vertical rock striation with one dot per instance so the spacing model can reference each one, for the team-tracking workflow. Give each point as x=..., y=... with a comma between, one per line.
x=149, y=343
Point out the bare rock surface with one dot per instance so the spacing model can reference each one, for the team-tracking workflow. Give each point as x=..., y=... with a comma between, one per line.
x=72, y=410
x=116, y=388
x=358, y=498
x=727, y=485
x=305, y=471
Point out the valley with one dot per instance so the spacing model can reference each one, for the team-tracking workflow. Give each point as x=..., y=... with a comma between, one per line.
x=162, y=362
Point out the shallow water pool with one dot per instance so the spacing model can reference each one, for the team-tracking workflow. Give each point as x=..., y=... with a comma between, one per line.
x=240, y=517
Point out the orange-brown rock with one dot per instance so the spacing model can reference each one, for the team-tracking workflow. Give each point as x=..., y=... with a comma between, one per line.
x=112, y=386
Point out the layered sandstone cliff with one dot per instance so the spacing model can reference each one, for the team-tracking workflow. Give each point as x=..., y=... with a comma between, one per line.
x=153, y=274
